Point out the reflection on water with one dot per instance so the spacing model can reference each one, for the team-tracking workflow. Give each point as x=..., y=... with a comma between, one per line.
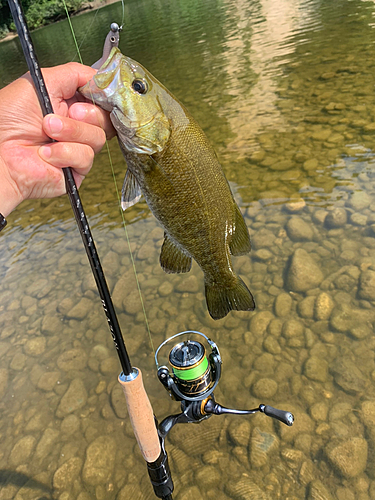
x=285, y=92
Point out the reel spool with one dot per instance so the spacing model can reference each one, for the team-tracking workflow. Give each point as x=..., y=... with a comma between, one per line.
x=194, y=376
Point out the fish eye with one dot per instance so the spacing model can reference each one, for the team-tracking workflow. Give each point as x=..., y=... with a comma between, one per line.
x=140, y=86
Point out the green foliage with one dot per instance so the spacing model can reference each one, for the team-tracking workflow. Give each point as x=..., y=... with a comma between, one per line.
x=37, y=12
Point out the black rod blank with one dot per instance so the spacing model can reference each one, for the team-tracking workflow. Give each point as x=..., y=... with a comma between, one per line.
x=72, y=190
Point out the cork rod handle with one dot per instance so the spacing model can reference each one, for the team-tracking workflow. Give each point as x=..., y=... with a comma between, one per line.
x=141, y=415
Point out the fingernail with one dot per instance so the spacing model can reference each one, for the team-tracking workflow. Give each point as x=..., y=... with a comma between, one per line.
x=45, y=152
x=55, y=124
x=78, y=112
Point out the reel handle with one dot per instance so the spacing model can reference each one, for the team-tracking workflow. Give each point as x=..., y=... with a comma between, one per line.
x=285, y=417
x=211, y=407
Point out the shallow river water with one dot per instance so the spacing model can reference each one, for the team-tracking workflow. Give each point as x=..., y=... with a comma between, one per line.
x=285, y=92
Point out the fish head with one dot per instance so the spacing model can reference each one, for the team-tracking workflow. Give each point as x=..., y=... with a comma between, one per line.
x=131, y=94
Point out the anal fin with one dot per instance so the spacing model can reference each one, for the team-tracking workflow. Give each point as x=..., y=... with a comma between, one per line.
x=240, y=242
x=131, y=192
x=173, y=259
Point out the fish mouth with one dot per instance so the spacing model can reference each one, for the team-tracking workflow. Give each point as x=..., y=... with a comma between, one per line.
x=106, y=82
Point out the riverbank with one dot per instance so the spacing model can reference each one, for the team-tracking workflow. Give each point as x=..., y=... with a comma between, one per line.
x=95, y=4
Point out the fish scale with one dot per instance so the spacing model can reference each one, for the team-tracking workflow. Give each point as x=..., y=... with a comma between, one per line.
x=170, y=161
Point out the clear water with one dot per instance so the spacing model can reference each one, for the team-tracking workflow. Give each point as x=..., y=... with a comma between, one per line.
x=285, y=92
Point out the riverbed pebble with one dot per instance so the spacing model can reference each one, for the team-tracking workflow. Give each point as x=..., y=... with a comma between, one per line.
x=99, y=460
x=73, y=399
x=303, y=273
x=349, y=457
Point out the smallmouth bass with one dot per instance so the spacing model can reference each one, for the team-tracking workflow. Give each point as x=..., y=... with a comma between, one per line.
x=171, y=163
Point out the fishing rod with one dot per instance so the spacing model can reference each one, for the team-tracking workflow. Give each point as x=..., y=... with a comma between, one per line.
x=139, y=406
x=194, y=376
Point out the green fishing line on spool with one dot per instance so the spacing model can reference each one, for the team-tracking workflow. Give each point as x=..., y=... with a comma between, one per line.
x=192, y=373
x=191, y=367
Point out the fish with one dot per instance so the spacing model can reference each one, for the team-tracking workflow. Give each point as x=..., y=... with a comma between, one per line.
x=172, y=164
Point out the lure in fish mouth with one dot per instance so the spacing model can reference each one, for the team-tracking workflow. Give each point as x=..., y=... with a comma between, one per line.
x=171, y=163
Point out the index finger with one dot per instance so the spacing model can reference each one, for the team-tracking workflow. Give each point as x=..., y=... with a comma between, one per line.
x=63, y=81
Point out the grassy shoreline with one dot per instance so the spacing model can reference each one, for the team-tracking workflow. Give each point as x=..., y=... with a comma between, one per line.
x=93, y=5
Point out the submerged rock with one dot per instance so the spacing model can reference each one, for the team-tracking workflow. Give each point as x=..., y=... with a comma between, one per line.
x=317, y=491
x=323, y=306
x=262, y=446
x=303, y=273
x=245, y=489
x=359, y=201
x=283, y=305
x=348, y=376
x=349, y=457
x=74, y=398
x=67, y=473
x=298, y=229
x=367, y=285
x=337, y=218
x=22, y=450
x=316, y=368
x=99, y=462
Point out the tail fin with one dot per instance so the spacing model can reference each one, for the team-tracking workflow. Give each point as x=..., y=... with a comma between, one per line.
x=221, y=300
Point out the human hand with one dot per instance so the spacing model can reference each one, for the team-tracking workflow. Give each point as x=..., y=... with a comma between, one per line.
x=30, y=163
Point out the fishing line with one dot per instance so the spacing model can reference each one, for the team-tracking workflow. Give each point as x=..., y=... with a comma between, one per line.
x=116, y=187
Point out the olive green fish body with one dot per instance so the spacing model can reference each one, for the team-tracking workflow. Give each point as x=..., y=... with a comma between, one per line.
x=172, y=164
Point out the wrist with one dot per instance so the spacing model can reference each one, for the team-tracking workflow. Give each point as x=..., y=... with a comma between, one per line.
x=10, y=198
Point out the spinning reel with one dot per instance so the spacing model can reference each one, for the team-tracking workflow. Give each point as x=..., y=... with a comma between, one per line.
x=192, y=382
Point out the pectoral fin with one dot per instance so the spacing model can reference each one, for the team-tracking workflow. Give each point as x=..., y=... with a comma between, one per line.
x=131, y=192
x=240, y=242
x=173, y=259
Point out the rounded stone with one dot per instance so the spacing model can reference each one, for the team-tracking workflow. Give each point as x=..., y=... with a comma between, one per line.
x=305, y=308
x=35, y=346
x=359, y=201
x=189, y=284
x=118, y=401
x=283, y=305
x=67, y=473
x=272, y=345
x=323, y=306
x=73, y=359
x=48, y=381
x=360, y=331
x=99, y=461
x=303, y=273
x=318, y=491
x=295, y=206
x=132, y=303
x=239, y=432
x=349, y=457
x=298, y=229
x=316, y=369
x=336, y=218
x=80, y=310
x=70, y=425
x=260, y=321
x=74, y=398
x=264, y=388
x=3, y=381
x=358, y=219
x=262, y=446
x=319, y=411
x=22, y=450
x=367, y=285
x=293, y=328
x=165, y=289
